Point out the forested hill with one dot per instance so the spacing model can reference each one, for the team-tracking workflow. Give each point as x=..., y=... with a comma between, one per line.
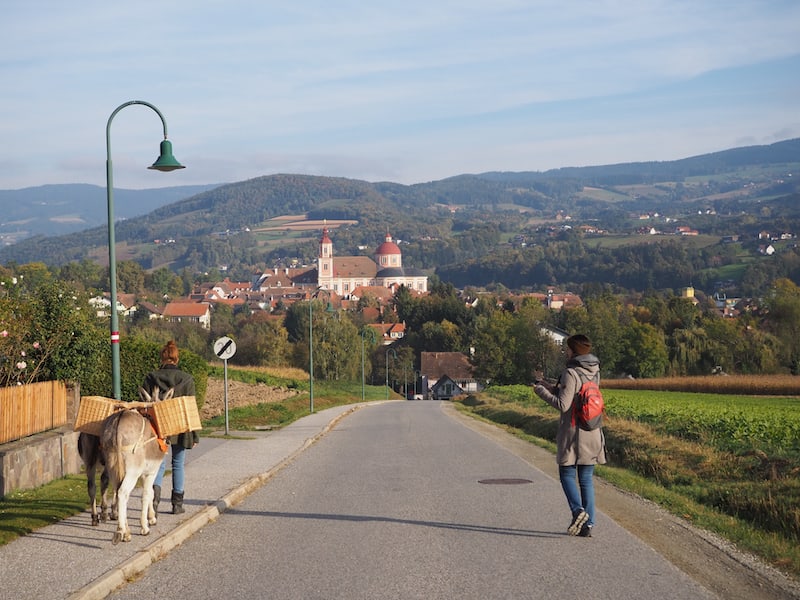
x=473, y=210
x=706, y=165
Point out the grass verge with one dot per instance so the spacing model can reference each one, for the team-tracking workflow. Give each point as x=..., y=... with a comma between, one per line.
x=722, y=492
x=24, y=511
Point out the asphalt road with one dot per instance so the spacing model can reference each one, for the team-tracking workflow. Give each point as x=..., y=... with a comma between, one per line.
x=401, y=501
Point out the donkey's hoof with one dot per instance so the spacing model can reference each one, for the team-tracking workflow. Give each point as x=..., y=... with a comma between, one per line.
x=117, y=538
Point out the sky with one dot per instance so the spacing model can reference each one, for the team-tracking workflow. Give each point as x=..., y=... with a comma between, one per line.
x=408, y=92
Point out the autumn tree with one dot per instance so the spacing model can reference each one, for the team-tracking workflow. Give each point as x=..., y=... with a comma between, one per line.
x=782, y=319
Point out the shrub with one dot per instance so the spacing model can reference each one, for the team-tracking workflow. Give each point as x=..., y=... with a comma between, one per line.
x=137, y=358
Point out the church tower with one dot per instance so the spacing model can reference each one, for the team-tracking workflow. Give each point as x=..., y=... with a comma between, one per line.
x=325, y=261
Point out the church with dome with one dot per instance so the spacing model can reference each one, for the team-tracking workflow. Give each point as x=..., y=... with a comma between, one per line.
x=343, y=274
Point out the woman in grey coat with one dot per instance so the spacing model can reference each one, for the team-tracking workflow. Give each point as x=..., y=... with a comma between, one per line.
x=578, y=450
x=168, y=376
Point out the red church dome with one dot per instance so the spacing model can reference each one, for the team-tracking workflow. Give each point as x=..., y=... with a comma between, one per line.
x=388, y=247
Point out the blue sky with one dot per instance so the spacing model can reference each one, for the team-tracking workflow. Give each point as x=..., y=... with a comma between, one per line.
x=408, y=92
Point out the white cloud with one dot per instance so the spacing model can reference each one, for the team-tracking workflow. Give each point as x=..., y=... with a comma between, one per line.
x=413, y=90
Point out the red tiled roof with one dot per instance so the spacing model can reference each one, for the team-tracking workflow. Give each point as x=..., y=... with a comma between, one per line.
x=186, y=309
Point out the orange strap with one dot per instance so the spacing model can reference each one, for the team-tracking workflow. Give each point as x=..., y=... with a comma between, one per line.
x=162, y=443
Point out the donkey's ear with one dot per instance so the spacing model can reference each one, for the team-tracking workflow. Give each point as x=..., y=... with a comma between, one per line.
x=144, y=396
x=170, y=393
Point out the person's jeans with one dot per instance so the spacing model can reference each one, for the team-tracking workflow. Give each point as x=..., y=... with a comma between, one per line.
x=178, y=459
x=572, y=477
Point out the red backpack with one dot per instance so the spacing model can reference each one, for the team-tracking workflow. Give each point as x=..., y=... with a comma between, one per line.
x=588, y=406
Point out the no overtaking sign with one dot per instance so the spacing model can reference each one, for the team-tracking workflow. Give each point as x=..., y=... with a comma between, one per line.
x=224, y=348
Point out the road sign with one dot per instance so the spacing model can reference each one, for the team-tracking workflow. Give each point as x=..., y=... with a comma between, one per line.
x=224, y=348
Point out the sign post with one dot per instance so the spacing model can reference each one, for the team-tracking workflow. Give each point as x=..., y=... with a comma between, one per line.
x=224, y=348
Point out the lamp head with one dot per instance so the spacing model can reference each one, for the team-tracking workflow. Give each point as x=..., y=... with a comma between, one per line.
x=166, y=162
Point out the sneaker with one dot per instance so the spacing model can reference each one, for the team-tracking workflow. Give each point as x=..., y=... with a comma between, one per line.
x=578, y=520
x=586, y=531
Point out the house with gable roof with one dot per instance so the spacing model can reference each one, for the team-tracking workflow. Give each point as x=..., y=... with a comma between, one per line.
x=446, y=375
x=191, y=312
x=126, y=304
x=389, y=332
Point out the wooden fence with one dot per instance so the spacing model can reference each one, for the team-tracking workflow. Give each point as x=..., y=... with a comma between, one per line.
x=33, y=408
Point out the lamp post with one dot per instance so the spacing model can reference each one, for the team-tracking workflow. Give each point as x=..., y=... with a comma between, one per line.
x=311, y=347
x=165, y=162
x=387, y=369
x=416, y=376
x=365, y=331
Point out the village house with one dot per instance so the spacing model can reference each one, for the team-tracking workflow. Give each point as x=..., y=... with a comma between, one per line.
x=556, y=300
x=189, y=312
x=445, y=375
x=126, y=305
x=389, y=332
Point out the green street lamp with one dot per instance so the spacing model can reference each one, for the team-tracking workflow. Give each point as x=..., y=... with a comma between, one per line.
x=165, y=162
x=330, y=309
x=387, y=369
x=364, y=331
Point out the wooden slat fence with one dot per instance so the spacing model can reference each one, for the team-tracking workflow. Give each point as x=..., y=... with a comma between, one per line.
x=32, y=408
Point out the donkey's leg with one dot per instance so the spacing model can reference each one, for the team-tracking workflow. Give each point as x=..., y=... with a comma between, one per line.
x=148, y=512
x=91, y=488
x=114, y=490
x=104, y=497
x=123, y=533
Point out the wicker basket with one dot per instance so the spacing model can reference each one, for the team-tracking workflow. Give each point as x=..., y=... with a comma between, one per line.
x=176, y=415
x=92, y=411
x=170, y=417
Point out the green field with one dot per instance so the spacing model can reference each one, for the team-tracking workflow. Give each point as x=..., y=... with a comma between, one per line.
x=737, y=424
x=618, y=241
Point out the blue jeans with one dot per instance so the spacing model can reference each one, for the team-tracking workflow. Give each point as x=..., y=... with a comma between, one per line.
x=178, y=459
x=575, y=476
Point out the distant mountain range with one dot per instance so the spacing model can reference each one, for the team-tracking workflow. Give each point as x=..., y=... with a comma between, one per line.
x=61, y=223
x=53, y=210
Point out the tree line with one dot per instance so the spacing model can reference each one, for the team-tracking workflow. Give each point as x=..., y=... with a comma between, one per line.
x=49, y=331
